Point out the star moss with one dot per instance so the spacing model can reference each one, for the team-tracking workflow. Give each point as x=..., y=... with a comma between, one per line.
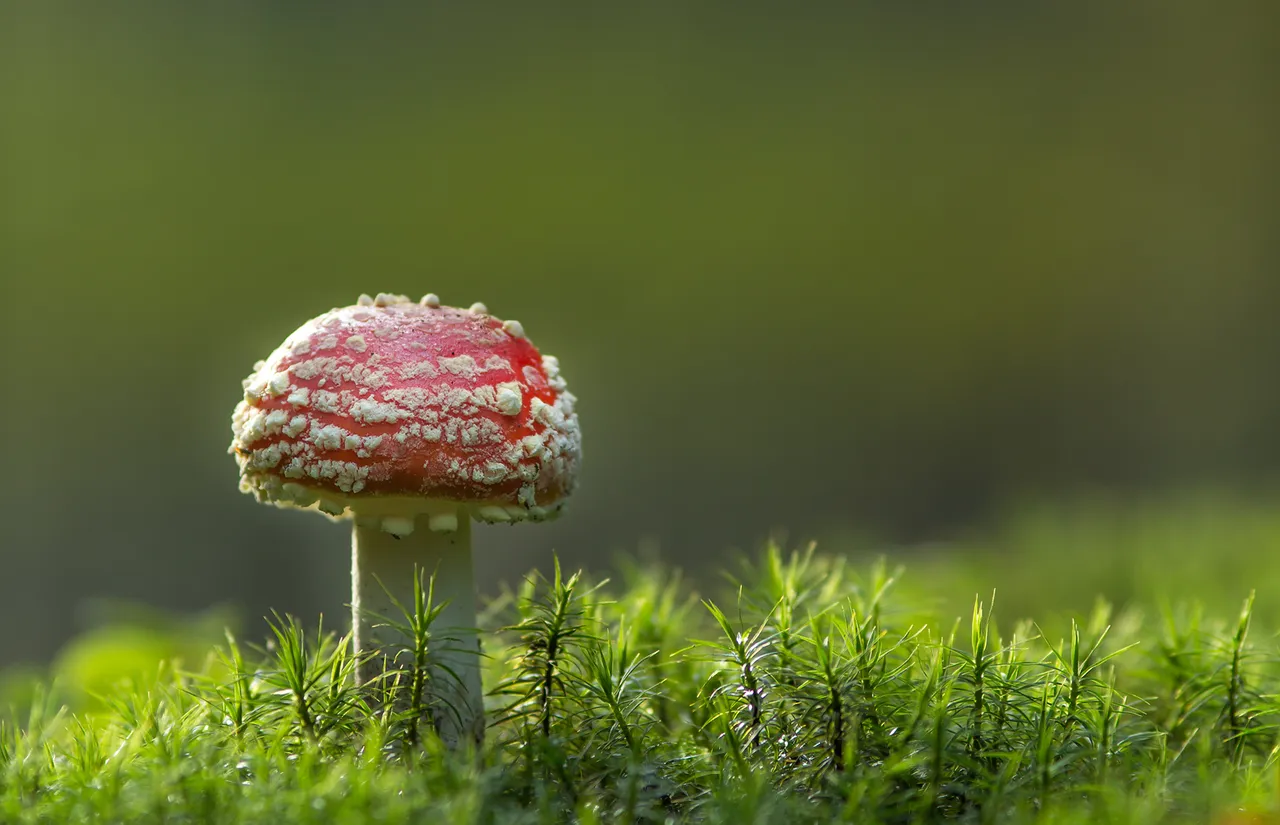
x=810, y=694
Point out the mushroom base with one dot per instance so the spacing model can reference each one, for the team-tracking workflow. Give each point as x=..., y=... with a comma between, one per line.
x=383, y=568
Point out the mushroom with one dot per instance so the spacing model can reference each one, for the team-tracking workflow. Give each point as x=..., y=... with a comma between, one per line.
x=412, y=419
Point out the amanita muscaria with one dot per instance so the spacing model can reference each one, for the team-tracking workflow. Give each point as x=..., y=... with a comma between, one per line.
x=412, y=419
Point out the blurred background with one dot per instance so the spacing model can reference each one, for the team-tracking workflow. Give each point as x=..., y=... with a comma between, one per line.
x=992, y=288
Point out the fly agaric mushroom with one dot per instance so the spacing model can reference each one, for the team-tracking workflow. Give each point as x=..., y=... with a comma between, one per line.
x=411, y=419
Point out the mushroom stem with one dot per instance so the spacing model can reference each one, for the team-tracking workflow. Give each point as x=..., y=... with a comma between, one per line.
x=383, y=566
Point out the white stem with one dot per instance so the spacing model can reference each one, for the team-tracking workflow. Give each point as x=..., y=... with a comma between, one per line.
x=383, y=566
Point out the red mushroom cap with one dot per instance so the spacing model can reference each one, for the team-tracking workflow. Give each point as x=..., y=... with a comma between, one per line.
x=391, y=409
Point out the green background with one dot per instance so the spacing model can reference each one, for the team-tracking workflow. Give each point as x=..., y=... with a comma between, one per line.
x=873, y=273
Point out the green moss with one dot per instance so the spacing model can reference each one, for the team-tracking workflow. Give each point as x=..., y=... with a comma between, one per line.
x=809, y=694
